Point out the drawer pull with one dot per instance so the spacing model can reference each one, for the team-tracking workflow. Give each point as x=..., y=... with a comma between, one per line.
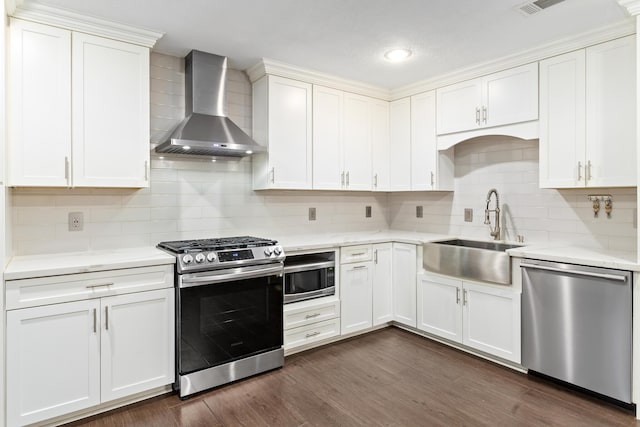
x=358, y=267
x=358, y=254
x=95, y=321
x=311, y=316
x=100, y=286
x=312, y=334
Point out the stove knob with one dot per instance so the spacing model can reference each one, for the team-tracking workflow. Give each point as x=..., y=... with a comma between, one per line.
x=211, y=256
x=199, y=258
x=277, y=250
x=187, y=259
x=268, y=251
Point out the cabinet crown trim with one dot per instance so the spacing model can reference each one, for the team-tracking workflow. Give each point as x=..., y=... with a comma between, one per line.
x=558, y=47
x=277, y=68
x=632, y=6
x=525, y=130
x=86, y=24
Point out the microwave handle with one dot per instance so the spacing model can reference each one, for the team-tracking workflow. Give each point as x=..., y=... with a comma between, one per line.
x=308, y=267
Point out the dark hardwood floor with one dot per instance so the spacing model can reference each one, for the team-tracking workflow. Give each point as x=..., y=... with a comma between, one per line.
x=386, y=378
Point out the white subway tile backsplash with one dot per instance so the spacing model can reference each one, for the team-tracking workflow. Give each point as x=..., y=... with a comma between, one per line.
x=540, y=215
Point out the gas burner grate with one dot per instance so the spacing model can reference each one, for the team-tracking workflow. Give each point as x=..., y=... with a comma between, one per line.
x=215, y=244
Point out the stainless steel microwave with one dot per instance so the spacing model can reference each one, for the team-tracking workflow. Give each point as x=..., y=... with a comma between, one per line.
x=309, y=276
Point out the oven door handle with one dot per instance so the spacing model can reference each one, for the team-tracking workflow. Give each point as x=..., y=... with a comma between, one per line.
x=200, y=279
x=308, y=267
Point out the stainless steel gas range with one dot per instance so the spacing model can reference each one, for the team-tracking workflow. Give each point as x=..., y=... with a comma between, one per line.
x=229, y=295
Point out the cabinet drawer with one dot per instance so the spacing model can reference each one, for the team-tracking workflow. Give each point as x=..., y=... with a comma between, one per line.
x=75, y=287
x=308, y=315
x=349, y=254
x=312, y=333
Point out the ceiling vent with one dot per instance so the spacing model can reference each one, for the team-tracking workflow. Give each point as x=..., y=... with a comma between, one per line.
x=533, y=7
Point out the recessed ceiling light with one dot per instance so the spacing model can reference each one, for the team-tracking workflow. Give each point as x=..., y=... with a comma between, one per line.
x=397, y=55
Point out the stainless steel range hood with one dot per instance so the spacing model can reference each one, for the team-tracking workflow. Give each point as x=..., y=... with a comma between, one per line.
x=206, y=130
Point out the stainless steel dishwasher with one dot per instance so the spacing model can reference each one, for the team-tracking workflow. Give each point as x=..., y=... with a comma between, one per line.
x=576, y=325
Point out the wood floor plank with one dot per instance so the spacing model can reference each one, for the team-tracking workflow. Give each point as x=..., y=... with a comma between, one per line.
x=390, y=377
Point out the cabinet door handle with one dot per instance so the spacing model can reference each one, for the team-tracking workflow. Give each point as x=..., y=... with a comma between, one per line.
x=95, y=321
x=358, y=267
x=579, y=171
x=457, y=296
x=312, y=334
x=588, y=171
x=273, y=175
x=464, y=297
x=432, y=179
x=342, y=179
x=106, y=318
x=375, y=256
x=311, y=316
x=375, y=181
x=347, y=179
x=484, y=115
x=478, y=116
x=67, y=171
x=146, y=170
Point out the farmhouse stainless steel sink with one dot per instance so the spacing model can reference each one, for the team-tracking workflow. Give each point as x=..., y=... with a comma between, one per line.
x=472, y=259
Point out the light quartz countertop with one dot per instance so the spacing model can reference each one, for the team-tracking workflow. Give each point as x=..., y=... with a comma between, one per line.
x=21, y=267
x=559, y=252
x=28, y=266
x=331, y=240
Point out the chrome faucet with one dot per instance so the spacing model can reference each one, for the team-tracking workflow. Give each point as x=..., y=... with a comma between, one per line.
x=495, y=231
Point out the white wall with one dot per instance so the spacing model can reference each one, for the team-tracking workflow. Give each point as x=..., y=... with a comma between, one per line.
x=187, y=198
x=511, y=166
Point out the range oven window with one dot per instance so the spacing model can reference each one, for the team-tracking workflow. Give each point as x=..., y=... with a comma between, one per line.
x=309, y=276
x=223, y=322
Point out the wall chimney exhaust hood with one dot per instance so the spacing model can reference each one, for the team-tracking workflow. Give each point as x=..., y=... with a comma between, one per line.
x=206, y=130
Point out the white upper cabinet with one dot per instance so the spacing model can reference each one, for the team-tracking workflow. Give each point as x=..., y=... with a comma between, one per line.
x=347, y=130
x=415, y=162
x=588, y=117
x=380, y=144
x=110, y=98
x=357, y=141
x=502, y=98
x=282, y=122
x=400, y=145
x=39, y=108
x=430, y=169
x=611, y=141
x=78, y=108
x=327, y=138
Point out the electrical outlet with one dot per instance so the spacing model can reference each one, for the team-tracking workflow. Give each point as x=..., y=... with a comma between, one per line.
x=76, y=221
x=419, y=212
x=367, y=212
x=312, y=214
x=468, y=215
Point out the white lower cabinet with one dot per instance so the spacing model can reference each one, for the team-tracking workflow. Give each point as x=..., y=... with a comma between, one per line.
x=404, y=284
x=53, y=361
x=483, y=317
x=356, y=295
x=311, y=321
x=70, y=356
x=382, y=294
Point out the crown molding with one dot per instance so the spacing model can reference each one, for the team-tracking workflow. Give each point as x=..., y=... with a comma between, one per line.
x=86, y=24
x=600, y=35
x=272, y=67
x=632, y=6
x=11, y=5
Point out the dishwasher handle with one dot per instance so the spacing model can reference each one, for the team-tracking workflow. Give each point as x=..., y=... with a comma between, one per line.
x=616, y=277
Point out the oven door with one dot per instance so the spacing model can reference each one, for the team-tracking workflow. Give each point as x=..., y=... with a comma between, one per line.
x=227, y=315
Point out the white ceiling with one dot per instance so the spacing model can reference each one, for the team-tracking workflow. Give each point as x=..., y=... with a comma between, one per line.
x=348, y=37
